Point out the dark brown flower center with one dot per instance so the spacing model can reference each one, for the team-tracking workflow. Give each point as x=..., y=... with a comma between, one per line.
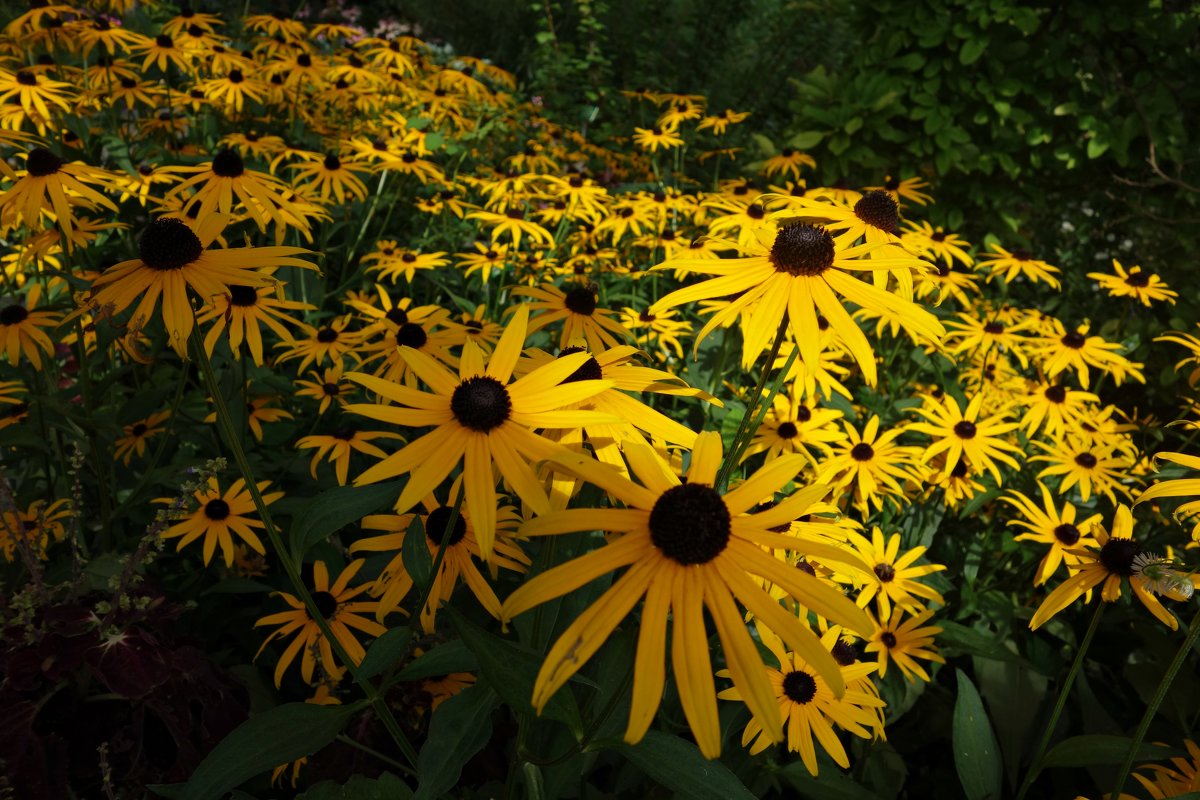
x=327, y=336
x=800, y=687
x=879, y=209
x=26, y=78
x=411, y=335
x=862, y=452
x=965, y=429
x=42, y=162
x=1137, y=279
x=332, y=163
x=802, y=249
x=228, y=164
x=581, y=300
x=481, y=403
x=885, y=572
x=589, y=371
x=397, y=315
x=1086, y=460
x=437, y=522
x=994, y=328
x=13, y=315
x=1117, y=556
x=345, y=432
x=1055, y=393
x=326, y=603
x=243, y=296
x=888, y=638
x=139, y=429
x=690, y=524
x=216, y=510
x=169, y=244
x=787, y=430
x=1074, y=340
x=844, y=653
x=1067, y=533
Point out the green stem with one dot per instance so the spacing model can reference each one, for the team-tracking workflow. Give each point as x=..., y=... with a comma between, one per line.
x=1035, y=765
x=290, y=566
x=437, y=559
x=1160, y=694
x=391, y=762
x=751, y=404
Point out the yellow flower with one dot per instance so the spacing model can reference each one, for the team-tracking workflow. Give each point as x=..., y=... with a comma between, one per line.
x=687, y=548
x=218, y=516
x=1135, y=283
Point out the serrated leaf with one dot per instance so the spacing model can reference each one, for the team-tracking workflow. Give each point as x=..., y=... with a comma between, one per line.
x=263, y=742
x=1084, y=751
x=679, y=766
x=384, y=652
x=458, y=730
x=976, y=754
x=332, y=510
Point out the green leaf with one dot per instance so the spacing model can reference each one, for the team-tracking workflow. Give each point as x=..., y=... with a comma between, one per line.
x=825, y=786
x=1084, y=751
x=764, y=144
x=679, y=766
x=458, y=730
x=417, y=559
x=263, y=742
x=806, y=139
x=1096, y=147
x=976, y=754
x=444, y=659
x=512, y=670
x=971, y=51
x=974, y=642
x=386, y=787
x=334, y=509
x=384, y=652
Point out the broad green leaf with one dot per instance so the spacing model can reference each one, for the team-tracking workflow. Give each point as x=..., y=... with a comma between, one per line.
x=1084, y=751
x=384, y=652
x=974, y=642
x=971, y=51
x=458, y=730
x=806, y=139
x=679, y=766
x=764, y=144
x=263, y=742
x=512, y=670
x=334, y=509
x=976, y=754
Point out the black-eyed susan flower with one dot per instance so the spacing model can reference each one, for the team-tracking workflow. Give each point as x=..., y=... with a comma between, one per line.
x=579, y=312
x=792, y=425
x=788, y=161
x=480, y=420
x=328, y=343
x=515, y=225
x=327, y=387
x=55, y=188
x=174, y=255
x=136, y=434
x=719, y=123
x=660, y=136
x=340, y=609
x=391, y=261
x=239, y=313
x=1143, y=286
x=901, y=189
x=37, y=527
x=21, y=328
x=218, y=517
x=214, y=186
x=689, y=548
x=964, y=434
x=871, y=463
x=1058, y=528
x=458, y=564
x=811, y=712
x=1088, y=466
x=332, y=178
x=1054, y=408
x=1062, y=349
x=36, y=94
x=794, y=272
x=1179, y=779
x=1001, y=263
x=893, y=575
x=1110, y=565
x=340, y=444
x=903, y=641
